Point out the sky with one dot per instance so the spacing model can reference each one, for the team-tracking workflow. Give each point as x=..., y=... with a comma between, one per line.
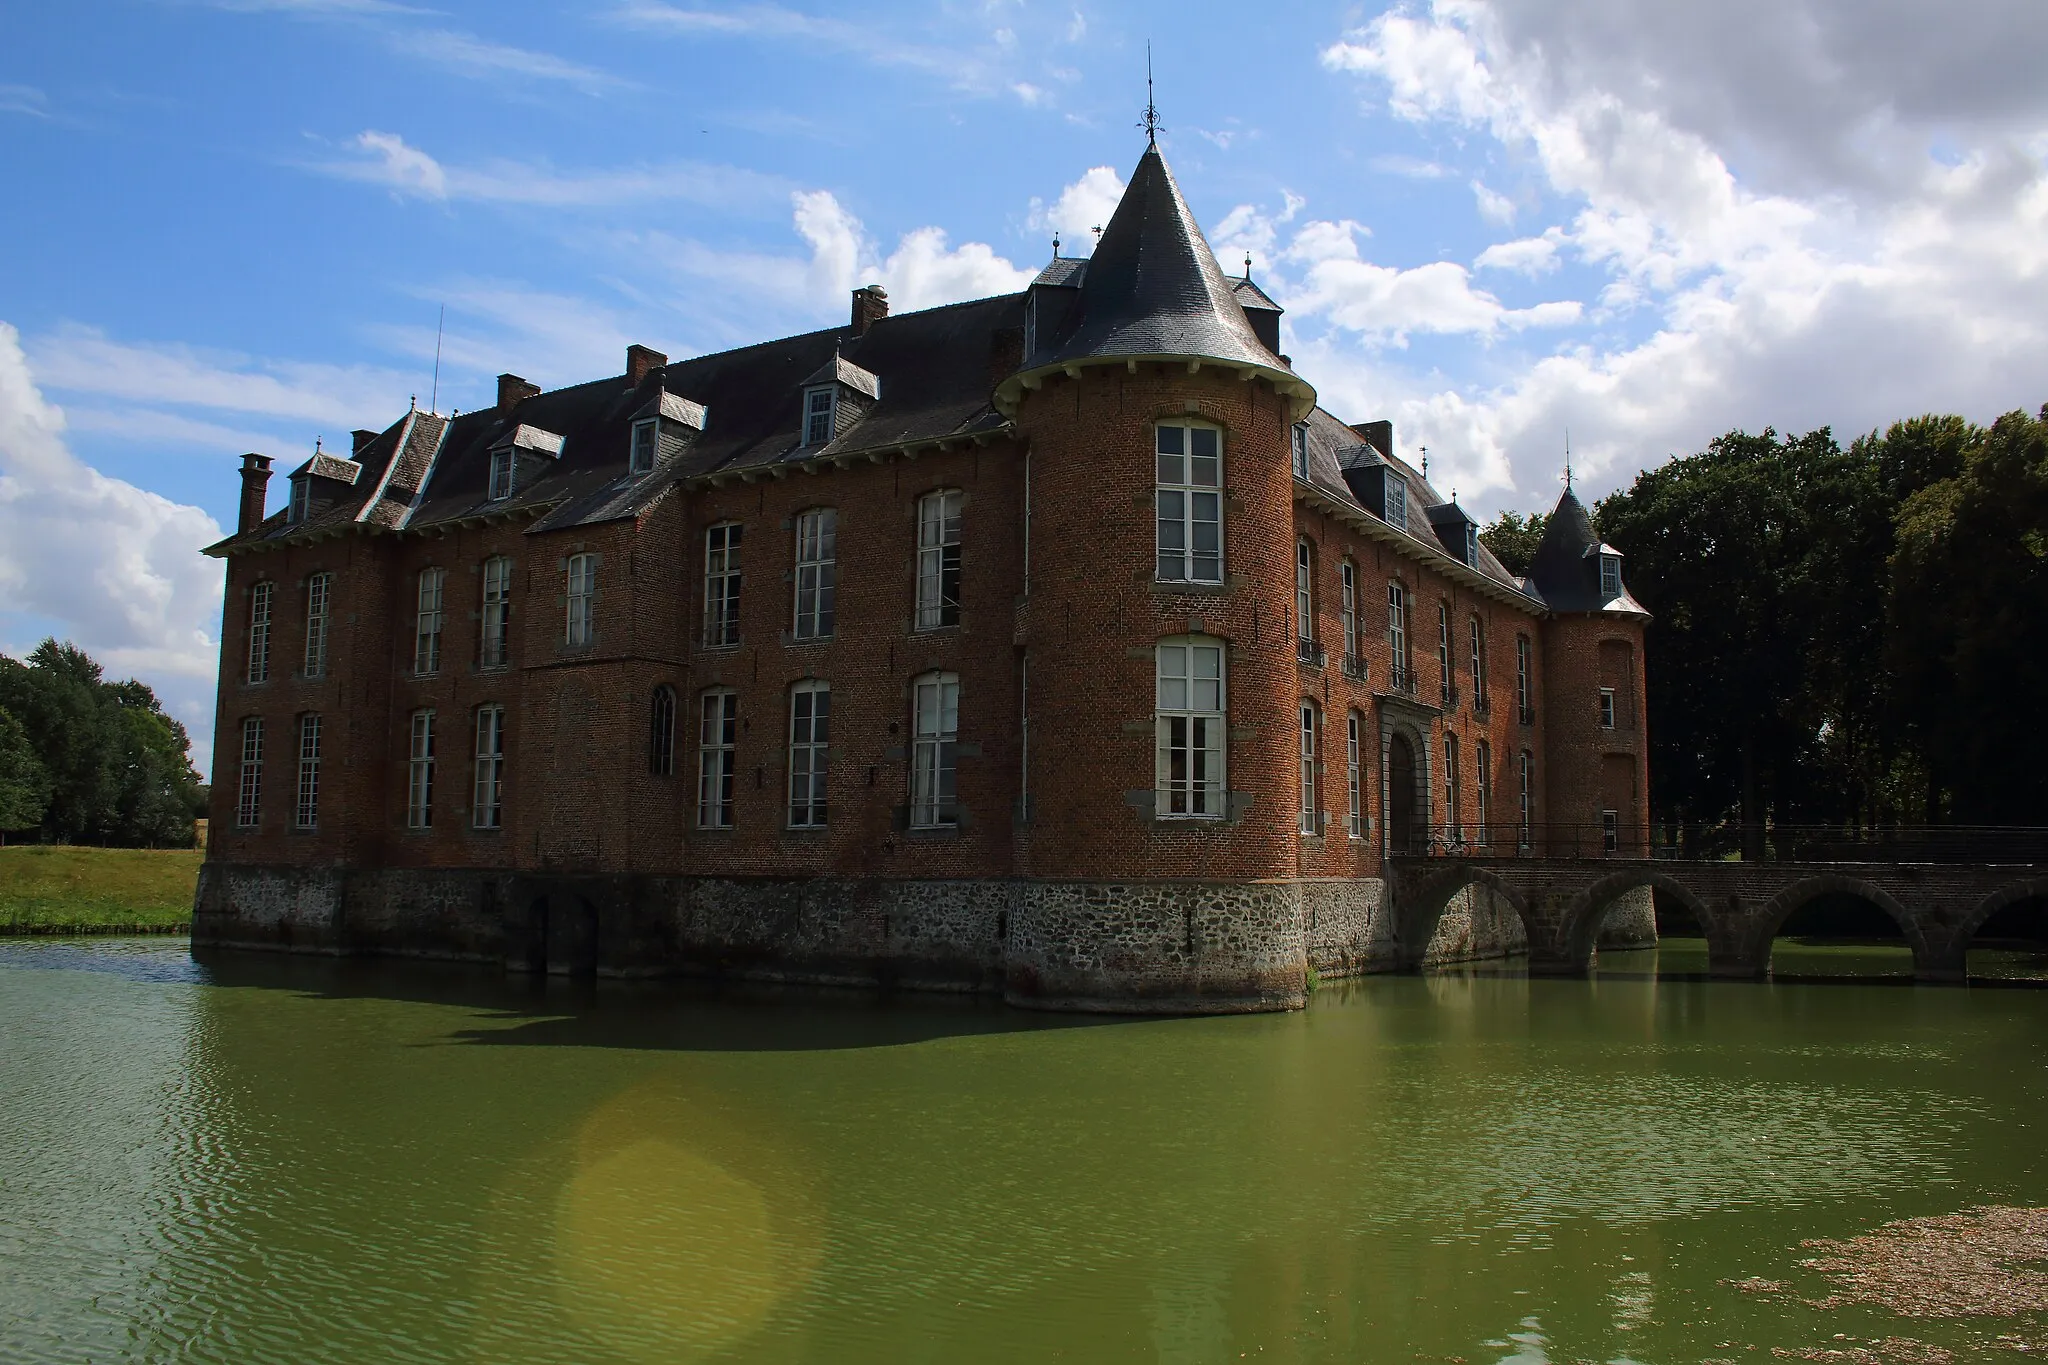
x=235, y=225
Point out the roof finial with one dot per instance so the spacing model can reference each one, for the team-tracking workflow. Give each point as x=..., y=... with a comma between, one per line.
x=1151, y=123
x=316, y=445
x=1247, y=267
x=1055, y=246
x=1567, y=459
x=1425, y=462
x=1097, y=230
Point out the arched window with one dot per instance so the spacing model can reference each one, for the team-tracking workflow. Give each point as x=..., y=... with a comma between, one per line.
x=1190, y=723
x=1189, y=502
x=810, y=739
x=494, y=643
x=935, y=734
x=718, y=726
x=1311, y=811
x=1354, y=773
x=938, y=559
x=661, y=732
x=817, y=573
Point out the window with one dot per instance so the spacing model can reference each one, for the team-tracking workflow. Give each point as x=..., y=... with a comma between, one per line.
x=1354, y=774
x=1610, y=831
x=938, y=560
x=661, y=732
x=817, y=572
x=302, y=499
x=1478, y=661
x=722, y=585
x=1301, y=450
x=810, y=739
x=419, y=787
x=317, y=590
x=582, y=601
x=1397, y=635
x=1471, y=546
x=935, y=733
x=717, y=735
x=1610, y=577
x=259, y=631
x=818, y=415
x=503, y=462
x=495, y=643
x=1452, y=817
x=1347, y=605
x=1310, y=824
x=426, y=650
x=249, y=786
x=1528, y=813
x=1443, y=650
x=1304, y=589
x=1190, y=503
x=1607, y=708
x=487, y=810
x=646, y=444
x=1482, y=763
x=1397, y=500
x=1189, y=722
x=307, y=814
x=1525, y=695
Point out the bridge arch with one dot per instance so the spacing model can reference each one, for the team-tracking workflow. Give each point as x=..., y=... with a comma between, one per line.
x=1421, y=897
x=2026, y=888
x=1781, y=907
x=1582, y=918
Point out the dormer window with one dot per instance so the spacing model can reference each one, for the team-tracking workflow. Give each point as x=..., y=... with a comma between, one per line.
x=646, y=442
x=302, y=499
x=502, y=464
x=1471, y=544
x=1610, y=577
x=1301, y=451
x=818, y=414
x=1397, y=501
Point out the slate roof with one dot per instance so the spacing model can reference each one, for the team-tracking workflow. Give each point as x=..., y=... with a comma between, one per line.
x=1566, y=568
x=1249, y=295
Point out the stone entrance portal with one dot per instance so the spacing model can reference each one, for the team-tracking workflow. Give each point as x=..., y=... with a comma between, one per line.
x=1402, y=827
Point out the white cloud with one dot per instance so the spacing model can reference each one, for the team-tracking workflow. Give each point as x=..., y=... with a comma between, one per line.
x=471, y=55
x=1527, y=256
x=112, y=567
x=1494, y=207
x=1082, y=207
x=24, y=99
x=387, y=159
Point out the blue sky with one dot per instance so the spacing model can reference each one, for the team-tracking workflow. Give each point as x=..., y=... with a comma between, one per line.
x=230, y=226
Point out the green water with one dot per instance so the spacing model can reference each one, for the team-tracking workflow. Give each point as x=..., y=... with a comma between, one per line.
x=263, y=1159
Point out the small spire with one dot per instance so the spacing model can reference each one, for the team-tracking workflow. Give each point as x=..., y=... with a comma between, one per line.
x=1567, y=459
x=1151, y=123
x=1055, y=246
x=1247, y=267
x=1425, y=462
x=316, y=445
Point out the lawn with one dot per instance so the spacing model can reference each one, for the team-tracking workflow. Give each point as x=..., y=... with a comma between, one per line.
x=57, y=889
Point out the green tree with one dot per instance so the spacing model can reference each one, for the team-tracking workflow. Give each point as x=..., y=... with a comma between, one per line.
x=1513, y=538
x=24, y=786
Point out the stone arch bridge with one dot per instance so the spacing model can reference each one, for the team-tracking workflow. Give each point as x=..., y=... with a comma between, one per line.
x=1739, y=905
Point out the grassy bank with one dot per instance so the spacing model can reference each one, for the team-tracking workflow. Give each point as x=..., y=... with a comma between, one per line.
x=54, y=890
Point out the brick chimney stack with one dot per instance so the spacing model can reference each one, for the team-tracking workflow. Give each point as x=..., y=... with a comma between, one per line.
x=870, y=305
x=1379, y=435
x=641, y=359
x=255, y=487
x=362, y=439
x=512, y=390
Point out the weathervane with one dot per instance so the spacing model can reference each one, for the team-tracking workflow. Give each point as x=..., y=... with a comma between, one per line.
x=1151, y=123
x=1567, y=459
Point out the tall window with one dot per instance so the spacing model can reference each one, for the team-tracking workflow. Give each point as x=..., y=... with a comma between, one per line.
x=487, y=808
x=426, y=649
x=306, y=815
x=1452, y=809
x=1397, y=635
x=495, y=642
x=1607, y=708
x=938, y=560
x=302, y=500
x=646, y=442
x=935, y=733
x=1347, y=604
x=419, y=786
x=1478, y=660
x=1443, y=649
x=1301, y=450
x=1397, y=500
x=318, y=587
x=817, y=573
x=1309, y=821
x=580, y=627
x=810, y=739
x=1610, y=831
x=1610, y=577
x=722, y=585
x=1528, y=812
x=249, y=787
x=1304, y=589
x=259, y=631
x=661, y=732
x=1190, y=725
x=818, y=416
x=718, y=726
x=1354, y=774
x=1190, y=503
x=1525, y=696
x=1482, y=762
x=502, y=465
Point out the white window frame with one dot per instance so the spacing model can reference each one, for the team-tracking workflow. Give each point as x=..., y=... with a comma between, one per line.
x=1525, y=694
x=1610, y=831
x=504, y=475
x=579, y=600
x=718, y=730
x=817, y=574
x=810, y=753
x=301, y=500
x=419, y=777
x=1445, y=668
x=1528, y=812
x=938, y=558
x=1300, y=444
x=1607, y=708
x=661, y=731
x=428, y=623
x=487, y=805
x=1354, y=773
x=494, y=640
x=1347, y=606
x=319, y=608
x=1482, y=762
x=260, y=595
x=1478, y=659
x=1188, y=502
x=1311, y=822
x=1610, y=577
x=821, y=420
x=1190, y=722
x=935, y=738
x=1397, y=500
x=306, y=814
x=1304, y=589
x=249, y=781
x=1397, y=632
x=722, y=579
x=645, y=447
x=1454, y=820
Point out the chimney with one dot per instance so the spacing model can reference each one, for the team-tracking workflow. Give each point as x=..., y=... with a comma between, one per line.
x=1378, y=435
x=512, y=390
x=255, y=485
x=870, y=305
x=362, y=439
x=639, y=360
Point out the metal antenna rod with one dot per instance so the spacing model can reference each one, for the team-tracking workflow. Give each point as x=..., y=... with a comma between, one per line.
x=1151, y=123
x=434, y=400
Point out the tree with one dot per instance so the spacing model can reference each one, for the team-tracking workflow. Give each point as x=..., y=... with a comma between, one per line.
x=1514, y=538
x=24, y=786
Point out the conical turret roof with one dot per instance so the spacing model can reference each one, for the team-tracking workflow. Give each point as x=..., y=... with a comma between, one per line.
x=1566, y=567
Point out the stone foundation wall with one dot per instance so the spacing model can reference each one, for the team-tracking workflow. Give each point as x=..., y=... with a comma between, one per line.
x=1632, y=922
x=1477, y=923
x=1347, y=926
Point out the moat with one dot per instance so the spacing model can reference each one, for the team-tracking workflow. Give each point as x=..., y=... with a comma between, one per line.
x=265, y=1158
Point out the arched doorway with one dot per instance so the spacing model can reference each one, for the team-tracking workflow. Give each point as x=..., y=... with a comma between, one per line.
x=1403, y=831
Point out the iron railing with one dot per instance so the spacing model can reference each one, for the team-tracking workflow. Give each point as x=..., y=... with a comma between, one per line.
x=1309, y=652
x=1729, y=842
x=1355, y=668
